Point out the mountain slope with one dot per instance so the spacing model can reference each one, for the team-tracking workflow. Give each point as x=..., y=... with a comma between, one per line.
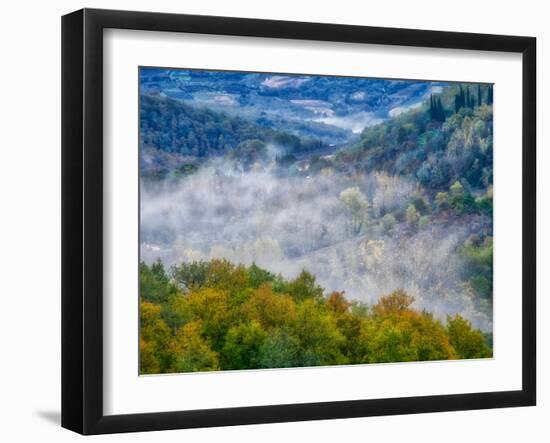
x=329, y=108
x=457, y=145
x=174, y=134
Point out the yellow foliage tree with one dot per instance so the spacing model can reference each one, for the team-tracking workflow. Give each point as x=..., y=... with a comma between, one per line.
x=236, y=317
x=269, y=309
x=192, y=351
x=154, y=335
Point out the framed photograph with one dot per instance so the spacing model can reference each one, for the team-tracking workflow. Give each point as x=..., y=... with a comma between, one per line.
x=269, y=221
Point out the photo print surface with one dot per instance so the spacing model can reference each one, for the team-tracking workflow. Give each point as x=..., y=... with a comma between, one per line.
x=291, y=220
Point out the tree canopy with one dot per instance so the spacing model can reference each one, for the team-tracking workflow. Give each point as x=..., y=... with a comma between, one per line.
x=210, y=316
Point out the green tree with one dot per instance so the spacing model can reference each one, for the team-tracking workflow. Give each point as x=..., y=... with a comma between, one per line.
x=258, y=276
x=457, y=190
x=477, y=255
x=356, y=205
x=457, y=193
x=191, y=275
x=154, y=284
x=250, y=152
x=279, y=350
x=479, y=101
x=242, y=347
x=442, y=201
x=421, y=204
x=437, y=112
x=388, y=222
x=411, y=215
x=468, y=342
x=318, y=335
x=304, y=287
x=241, y=317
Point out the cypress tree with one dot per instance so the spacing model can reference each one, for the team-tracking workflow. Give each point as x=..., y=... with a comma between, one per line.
x=437, y=113
x=479, y=95
x=440, y=110
x=460, y=99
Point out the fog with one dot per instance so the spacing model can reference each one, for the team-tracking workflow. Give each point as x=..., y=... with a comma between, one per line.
x=352, y=122
x=286, y=224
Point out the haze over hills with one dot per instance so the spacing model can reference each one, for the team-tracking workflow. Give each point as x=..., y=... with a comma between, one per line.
x=371, y=185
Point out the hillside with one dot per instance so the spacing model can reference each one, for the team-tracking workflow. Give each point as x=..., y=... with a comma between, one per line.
x=175, y=135
x=436, y=144
x=405, y=204
x=329, y=108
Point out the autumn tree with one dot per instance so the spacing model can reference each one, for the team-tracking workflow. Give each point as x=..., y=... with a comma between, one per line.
x=153, y=340
x=318, y=335
x=395, y=303
x=211, y=307
x=237, y=317
x=401, y=333
x=192, y=350
x=269, y=309
x=337, y=302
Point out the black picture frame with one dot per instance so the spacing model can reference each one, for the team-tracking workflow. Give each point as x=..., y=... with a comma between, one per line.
x=82, y=218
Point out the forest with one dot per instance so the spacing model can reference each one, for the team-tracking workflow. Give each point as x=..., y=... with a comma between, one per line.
x=275, y=234
x=211, y=316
